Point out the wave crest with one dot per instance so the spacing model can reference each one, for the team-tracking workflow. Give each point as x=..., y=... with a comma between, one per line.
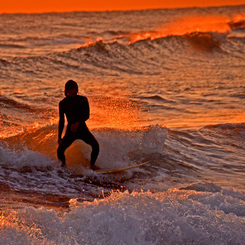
x=202, y=41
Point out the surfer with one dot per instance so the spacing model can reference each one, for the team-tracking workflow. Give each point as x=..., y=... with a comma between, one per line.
x=76, y=109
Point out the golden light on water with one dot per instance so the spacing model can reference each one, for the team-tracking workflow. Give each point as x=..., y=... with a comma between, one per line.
x=183, y=27
x=116, y=113
x=8, y=220
x=187, y=25
x=238, y=117
x=3, y=221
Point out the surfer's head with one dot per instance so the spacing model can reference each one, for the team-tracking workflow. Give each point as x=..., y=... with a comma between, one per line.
x=71, y=88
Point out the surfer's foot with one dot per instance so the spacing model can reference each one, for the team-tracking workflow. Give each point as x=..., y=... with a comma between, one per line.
x=63, y=165
x=94, y=167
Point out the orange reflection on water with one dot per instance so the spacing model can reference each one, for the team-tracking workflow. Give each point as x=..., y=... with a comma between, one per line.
x=116, y=113
x=8, y=220
x=3, y=221
x=239, y=17
x=187, y=25
x=238, y=117
x=199, y=24
x=180, y=194
x=91, y=42
x=238, y=21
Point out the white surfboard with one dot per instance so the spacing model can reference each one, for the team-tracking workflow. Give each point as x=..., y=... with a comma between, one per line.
x=116, y=170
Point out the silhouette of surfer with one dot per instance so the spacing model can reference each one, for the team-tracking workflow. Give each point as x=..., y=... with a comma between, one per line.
x=76, y=109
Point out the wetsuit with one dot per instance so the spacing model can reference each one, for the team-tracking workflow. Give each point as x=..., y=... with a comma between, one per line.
x=76, y=109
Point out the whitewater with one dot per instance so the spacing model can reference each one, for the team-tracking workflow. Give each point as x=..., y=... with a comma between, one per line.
x=165, y=86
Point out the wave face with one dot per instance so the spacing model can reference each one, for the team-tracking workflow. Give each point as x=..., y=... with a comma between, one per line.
x=176, y=157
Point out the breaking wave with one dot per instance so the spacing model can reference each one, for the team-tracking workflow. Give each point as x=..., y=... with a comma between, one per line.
x=176, y=157
x=200, y=214
x=172, y=200
x=110, y=58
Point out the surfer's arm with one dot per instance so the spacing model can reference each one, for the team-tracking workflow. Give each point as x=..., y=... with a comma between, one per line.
x=61, y=123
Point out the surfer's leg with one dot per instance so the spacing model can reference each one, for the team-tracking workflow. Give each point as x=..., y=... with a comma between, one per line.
x=66, y=142
x=88, y=138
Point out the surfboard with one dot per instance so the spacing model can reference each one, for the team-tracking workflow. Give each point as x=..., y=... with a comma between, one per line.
x=117, y=170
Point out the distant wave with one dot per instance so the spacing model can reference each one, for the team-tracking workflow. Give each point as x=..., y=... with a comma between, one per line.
x=237, y=24
x=202, y=41
x=12, y=46
x=202, y=33
x=198, y=40
x=7, y=102
x=231, y=130
x=226, y=126
x=155, y=97
x=3, y=62
x=148, y=56
x=193, y=24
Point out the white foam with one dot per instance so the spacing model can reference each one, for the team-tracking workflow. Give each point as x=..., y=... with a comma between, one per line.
x=23, y=157
x=118, y=147
x=171, y=217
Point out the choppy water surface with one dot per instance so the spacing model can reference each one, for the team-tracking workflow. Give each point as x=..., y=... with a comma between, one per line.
x=165, y=86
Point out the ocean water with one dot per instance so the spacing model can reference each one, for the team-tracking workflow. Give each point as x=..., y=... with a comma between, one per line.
x=165, y=86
